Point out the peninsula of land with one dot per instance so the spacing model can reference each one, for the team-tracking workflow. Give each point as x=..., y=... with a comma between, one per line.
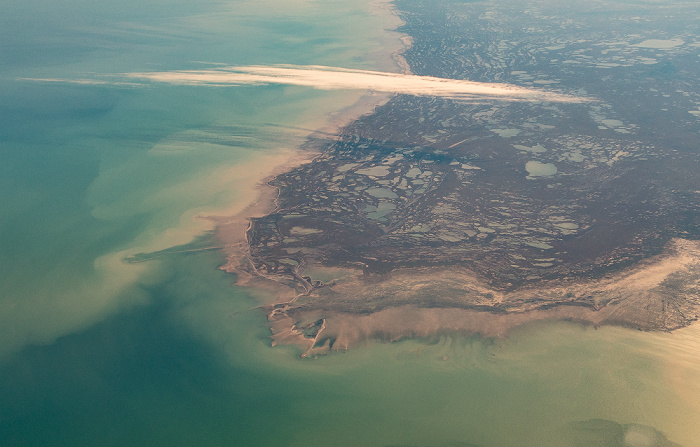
x=433, y=214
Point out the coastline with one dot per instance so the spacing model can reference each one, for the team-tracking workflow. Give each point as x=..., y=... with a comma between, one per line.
x=643, y=297
x=231, y=230
x=394, y=42
x=344, y=322
x=346, y=313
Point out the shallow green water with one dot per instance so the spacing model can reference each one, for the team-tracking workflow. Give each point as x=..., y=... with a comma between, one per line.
x=95, y=351
x=194, y=367
x=92, y=173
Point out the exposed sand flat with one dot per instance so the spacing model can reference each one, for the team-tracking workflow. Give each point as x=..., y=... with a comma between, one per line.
x=661, y=293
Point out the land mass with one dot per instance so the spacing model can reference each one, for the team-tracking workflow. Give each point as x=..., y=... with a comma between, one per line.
x=433, y=214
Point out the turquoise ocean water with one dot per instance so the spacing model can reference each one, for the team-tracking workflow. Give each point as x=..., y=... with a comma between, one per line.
x=97, y=351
